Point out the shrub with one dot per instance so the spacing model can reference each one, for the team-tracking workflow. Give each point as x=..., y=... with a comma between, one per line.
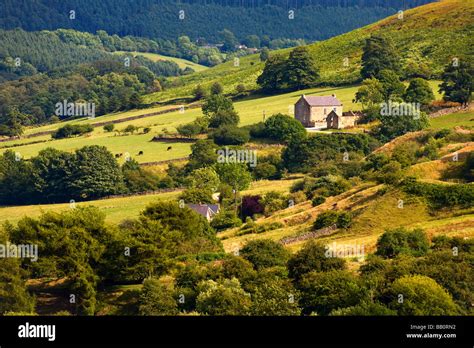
x=306, y=153
x=405, y=153
x=274, y=297
x=329, y=185
x=312, y=257
x=216, y=88
x=257, y=130
x=265, y=253
x=265, y=170
x=225, y=220
x=376, y=161
x=237, y=267
x=365, y=308
x=283, y=128
x=157, y=299
x=189, y=129
x=225, y=297
x=454, y=273
x=195, y=231
x=326, y=219
x=400, y=241
x=317, y=200
x=199, y=92
x=344, y=220
x=130, y=129
x=392, y=127
x=468, y=168
x=326, y=291
x=138, y=179
x=391, y=173
x=298, y=197
x=332, y=217
x=240, y=89
x=109, y=127
x=224, y=118
x=420, y=295
x=274, y=201
x=197, y=195
x=440, y=195
x=230, y=135
x=71, y=130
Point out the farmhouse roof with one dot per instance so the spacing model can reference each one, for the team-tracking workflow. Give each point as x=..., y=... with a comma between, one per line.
x=326, y=100
x=206, y=210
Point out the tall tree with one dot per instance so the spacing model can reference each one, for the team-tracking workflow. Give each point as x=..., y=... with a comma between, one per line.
x=272, y=77
x=264, y=54
x=52, y=174
x=229, y=40
x=392, y=87
x=419, y=91
x=96, y=173
x=300, y=70
x=216, y=88
x=379, y=53
x=16, y=179
x=216, y=103
x=458, y=82
x=370, y=93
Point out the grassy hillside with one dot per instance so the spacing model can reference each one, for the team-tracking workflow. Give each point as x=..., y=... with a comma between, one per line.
x=251, y=110
x=374, y=212
x=431, y=34
x=465, y=119
x=182, y=63
x=120, y=208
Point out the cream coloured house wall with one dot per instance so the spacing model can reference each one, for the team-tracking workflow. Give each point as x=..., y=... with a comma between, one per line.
x=319, y=113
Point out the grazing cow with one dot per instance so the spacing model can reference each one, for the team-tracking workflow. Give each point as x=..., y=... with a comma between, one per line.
x=334, y=206
x=140, y=153
x=117, y=155
x=169, y=148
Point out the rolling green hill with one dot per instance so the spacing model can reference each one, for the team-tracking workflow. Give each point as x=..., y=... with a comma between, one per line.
x=155, y=57
x=429, y=35
x=250, y=110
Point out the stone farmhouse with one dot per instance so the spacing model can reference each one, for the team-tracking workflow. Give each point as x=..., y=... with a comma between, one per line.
x=323, y=112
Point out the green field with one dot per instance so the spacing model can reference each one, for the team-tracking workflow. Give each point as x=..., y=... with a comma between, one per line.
x=182, y=63
x=118, y=209
x=105, y=118
x=133, y=144
x=465, y=119
x=251, y=110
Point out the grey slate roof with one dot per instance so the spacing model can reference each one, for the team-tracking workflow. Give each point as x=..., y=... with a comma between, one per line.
x=326, y=100
x=206, y=210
